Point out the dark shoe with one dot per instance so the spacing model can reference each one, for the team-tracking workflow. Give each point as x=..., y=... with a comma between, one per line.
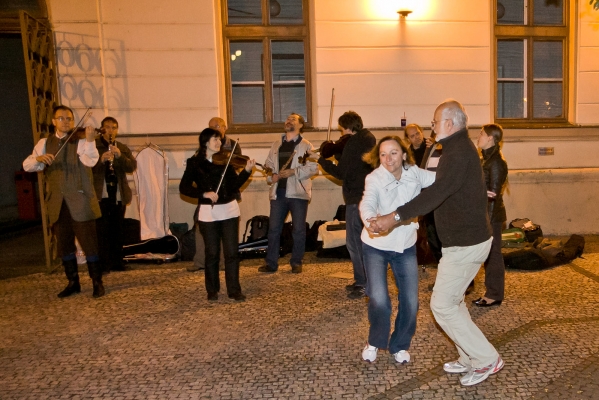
x=95, y=272
x=267, y=270
x=98, y=288
x=193, y=268
x=296, y=269
x=357, y=293
x=72, y=288
x=212, y=296
x=483, y=303
x=350, y=288
x=237, y=297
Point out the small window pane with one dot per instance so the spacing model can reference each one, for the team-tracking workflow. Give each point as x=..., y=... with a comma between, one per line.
x=547, y=59
x=286, y=12
x=510, y=100
x=510, y=12
x=548, y=12
x=289, y=79
x=244, y=12
x=510, y=59
x=247, y=79
x=547, y=100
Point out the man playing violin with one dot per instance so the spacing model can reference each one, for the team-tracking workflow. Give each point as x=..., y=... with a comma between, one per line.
x=71, y=203
x=113, y=192
x=290, y=191
x=352, y=170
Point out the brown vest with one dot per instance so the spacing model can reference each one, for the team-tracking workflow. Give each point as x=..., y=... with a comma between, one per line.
x=69, y=180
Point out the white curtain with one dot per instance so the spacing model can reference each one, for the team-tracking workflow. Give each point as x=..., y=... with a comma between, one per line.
x=151, y=181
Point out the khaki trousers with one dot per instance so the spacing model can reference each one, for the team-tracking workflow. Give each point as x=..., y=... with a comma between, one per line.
x=457, y=268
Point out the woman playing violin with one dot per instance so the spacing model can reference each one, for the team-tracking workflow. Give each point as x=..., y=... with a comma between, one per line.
x=218, y=212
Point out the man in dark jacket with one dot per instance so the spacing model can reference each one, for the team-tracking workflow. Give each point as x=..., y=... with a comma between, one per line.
x=459, y=198
x=113, y=192
x=352, y=170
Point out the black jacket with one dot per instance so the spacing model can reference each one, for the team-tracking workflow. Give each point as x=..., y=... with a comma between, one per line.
x=206, y=176
x=495, y=170
x=458, y=196
x=351, y=169
x=125, y=164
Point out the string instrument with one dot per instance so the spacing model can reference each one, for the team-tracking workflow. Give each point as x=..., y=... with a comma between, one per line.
x=329, y=148
x=237, y=160
x=78, y=132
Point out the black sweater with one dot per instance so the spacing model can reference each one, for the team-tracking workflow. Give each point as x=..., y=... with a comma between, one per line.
x=351, y=169
x=458, y=196
x=206, y=177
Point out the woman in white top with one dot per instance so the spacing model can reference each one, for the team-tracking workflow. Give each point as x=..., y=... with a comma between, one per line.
x=218, y=212
x=394, y=182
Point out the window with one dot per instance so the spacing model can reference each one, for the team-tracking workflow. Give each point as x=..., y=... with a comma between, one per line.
x=266, y=47
x=531, y=62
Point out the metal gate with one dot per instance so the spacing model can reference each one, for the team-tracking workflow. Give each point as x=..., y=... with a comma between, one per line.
x=42, y=84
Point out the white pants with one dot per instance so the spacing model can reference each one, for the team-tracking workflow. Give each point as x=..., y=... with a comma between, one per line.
x=457, y=268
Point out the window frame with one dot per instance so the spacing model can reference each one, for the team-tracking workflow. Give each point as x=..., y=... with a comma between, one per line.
x=532, y=33
x=265, y=33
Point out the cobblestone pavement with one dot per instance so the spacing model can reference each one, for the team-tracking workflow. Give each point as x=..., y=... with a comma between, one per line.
x=155, y=336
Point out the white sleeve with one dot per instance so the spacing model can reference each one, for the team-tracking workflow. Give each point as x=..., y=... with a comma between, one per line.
x=88, y=153
x=425, y=177
x=369, y=204
x=30, y=164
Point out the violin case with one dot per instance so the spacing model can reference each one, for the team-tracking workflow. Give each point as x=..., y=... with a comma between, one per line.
x=157, y=250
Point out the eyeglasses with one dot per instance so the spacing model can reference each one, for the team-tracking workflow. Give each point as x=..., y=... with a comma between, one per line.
x=68, y=119
x=433, y=122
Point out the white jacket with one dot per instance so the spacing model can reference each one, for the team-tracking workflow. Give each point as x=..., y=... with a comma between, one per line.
x=299, y=186
x=382, y=195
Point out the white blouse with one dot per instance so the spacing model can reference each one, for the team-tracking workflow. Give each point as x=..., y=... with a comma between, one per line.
x=382, y=195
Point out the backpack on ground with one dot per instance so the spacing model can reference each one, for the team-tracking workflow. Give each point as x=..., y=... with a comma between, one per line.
x=531, y=230
x=258, y=227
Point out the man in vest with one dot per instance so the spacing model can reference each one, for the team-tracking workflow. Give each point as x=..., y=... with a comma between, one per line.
x=71, y=202
x=113, y=192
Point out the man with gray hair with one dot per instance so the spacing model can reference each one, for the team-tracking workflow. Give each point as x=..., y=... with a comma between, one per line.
x=458, y=197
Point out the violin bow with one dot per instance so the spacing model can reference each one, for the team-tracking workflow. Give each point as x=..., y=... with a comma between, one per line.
x=226, y=166
x=82, y=121
x=331, y=114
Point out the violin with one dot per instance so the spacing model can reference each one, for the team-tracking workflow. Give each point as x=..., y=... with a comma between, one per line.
x=329, y=148
x=79, y=133
x=237, y=161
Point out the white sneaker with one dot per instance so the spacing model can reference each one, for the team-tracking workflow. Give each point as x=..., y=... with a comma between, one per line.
x=369, y=353
x=477, y=375
x=455, y=367
x=402, y=356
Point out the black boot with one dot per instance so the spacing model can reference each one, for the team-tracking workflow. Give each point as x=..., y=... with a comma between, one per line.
x=95, y=272
x=72, y=273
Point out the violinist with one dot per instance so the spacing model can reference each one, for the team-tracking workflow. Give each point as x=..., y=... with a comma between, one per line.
x=72, y=206
x=217, y=188
x=113, y=192
x=352, y=170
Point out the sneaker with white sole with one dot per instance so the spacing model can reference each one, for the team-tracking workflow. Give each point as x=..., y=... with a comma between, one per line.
x=455, y=367
x=369, y=353
x=477, y=375
x=402, y=356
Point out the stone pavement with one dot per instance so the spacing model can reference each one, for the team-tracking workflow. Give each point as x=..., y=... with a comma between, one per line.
x=155, y=336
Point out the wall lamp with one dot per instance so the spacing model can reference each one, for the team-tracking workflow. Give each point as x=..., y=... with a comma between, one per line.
x=404, y=13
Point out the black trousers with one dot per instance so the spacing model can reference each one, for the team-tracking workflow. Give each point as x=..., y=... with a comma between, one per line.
x=66, y=229
x=434, y=243
x=495, y=267
x=226, y=231
x=110, y=235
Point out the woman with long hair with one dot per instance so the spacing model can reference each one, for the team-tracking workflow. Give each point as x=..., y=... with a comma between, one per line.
x=495, y=170
x=394, y=182
x=218, y=212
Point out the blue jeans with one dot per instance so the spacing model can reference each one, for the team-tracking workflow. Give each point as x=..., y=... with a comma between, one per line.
x=405, y=269
x=353, y=242
x=278, y=213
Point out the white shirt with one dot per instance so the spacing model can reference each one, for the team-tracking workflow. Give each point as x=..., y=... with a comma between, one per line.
x=88, y=155
x=218, y=212
x=382, y=195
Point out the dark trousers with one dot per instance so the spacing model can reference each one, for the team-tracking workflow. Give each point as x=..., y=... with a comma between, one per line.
x=110, y=235
x=353, y=242
x=226, y=231
x=434, y=243
x=494, y=266
x=66, y=229
x=279, y=209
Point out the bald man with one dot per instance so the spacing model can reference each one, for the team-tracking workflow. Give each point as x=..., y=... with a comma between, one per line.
x=459, y=198
x=220, y=125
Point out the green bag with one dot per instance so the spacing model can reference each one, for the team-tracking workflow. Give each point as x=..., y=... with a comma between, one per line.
x=513, y=235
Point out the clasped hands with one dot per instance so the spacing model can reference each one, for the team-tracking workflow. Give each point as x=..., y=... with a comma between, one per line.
x=286, y=173
x=380, y=223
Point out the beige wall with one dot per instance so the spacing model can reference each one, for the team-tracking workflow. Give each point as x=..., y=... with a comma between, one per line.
x=156, y=66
